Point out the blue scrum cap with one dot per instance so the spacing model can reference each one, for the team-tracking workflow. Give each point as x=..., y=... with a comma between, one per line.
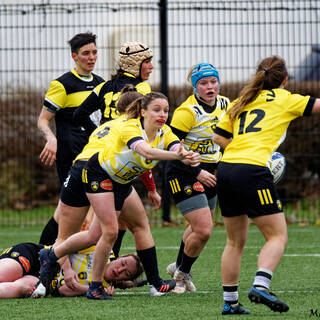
x=203, y=70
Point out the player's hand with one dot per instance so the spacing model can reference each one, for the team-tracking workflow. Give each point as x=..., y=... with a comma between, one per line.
x=207, y=178
x=188, y=157
x=155, y=199
x=182, y=153
x=70, y=278
x=192, y=159
x=110, y=290
x=49, y=152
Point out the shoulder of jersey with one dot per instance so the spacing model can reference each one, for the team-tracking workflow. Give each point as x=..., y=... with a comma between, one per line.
x=133, y=121
x=223, y=98
x=189, y=103
x=143, y=87
x=66, y=76
x=98, y=78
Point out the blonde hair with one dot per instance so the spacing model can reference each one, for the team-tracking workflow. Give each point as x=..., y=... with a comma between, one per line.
x=269, y=75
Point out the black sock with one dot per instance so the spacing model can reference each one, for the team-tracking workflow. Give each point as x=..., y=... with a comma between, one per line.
x=186, y=263
x=150, y=264
x=117, y=244
x=180, y=253
x=49, y=233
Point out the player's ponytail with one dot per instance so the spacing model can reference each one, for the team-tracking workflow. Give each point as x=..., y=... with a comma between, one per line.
x=134, y=109
x=128, y=94
x=270, y=74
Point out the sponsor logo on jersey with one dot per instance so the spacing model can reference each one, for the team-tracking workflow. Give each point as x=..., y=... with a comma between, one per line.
x=94, y=185
x=15, y=254
x=279, y=204
x=25, y=263
x=198, y=187
x=67, y=181
x=106, y=184
x=187, y=190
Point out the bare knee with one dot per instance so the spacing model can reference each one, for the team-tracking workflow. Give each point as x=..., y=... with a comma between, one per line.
x=280, y=239
x=203, y=232
x=236, y=244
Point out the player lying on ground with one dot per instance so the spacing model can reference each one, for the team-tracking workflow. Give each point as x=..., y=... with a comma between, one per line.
x=20, y=267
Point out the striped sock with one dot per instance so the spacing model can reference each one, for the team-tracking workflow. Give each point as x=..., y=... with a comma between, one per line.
x=263, y=278
x=230, y=294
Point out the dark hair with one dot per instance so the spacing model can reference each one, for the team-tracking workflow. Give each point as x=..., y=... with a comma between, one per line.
x=134, y=109
x=80, y=40
x=128, y=94
x=269, y=75
x=117, y=74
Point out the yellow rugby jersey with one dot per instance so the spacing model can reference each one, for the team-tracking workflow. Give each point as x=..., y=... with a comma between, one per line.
x=191, y=117
x=81, y=263
x=261, y=126
x=100, y=137
x=124, y=164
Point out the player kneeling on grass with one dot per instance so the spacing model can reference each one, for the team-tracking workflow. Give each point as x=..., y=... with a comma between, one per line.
x=20, y=267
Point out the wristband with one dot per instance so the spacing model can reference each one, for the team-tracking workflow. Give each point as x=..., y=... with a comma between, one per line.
x=148, y=181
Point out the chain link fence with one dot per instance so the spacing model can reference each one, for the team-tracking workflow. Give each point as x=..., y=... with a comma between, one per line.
x=233, y=35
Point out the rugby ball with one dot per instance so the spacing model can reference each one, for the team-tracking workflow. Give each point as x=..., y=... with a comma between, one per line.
x=277, y=166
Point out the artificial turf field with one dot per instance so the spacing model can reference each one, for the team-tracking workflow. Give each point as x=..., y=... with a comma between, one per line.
x=296, y=281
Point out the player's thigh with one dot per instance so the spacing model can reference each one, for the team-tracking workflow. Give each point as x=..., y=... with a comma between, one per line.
x=10, y=270
x=133, y=212
x=70, y=220
x=273, y=225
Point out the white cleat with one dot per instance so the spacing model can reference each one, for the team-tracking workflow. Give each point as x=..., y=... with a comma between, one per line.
x=171, y=268
x=184, y=282
x=189, y=284
x=154, y=292
x=39, y=291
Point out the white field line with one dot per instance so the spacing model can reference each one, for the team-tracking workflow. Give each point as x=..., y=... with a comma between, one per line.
x=214, y=292
x=222, y=247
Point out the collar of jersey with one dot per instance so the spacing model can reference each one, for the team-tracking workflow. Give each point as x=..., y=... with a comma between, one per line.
x=129, y=74
x=206, y=107
x=87, y=79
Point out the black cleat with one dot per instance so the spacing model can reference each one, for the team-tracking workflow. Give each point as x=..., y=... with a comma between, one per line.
x=165, y=287
x=48, y=269
x=234, y=309
x=267, y=298
x=98, y=293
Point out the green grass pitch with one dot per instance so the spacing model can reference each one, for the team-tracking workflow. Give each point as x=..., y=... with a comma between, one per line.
x=296, y=281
